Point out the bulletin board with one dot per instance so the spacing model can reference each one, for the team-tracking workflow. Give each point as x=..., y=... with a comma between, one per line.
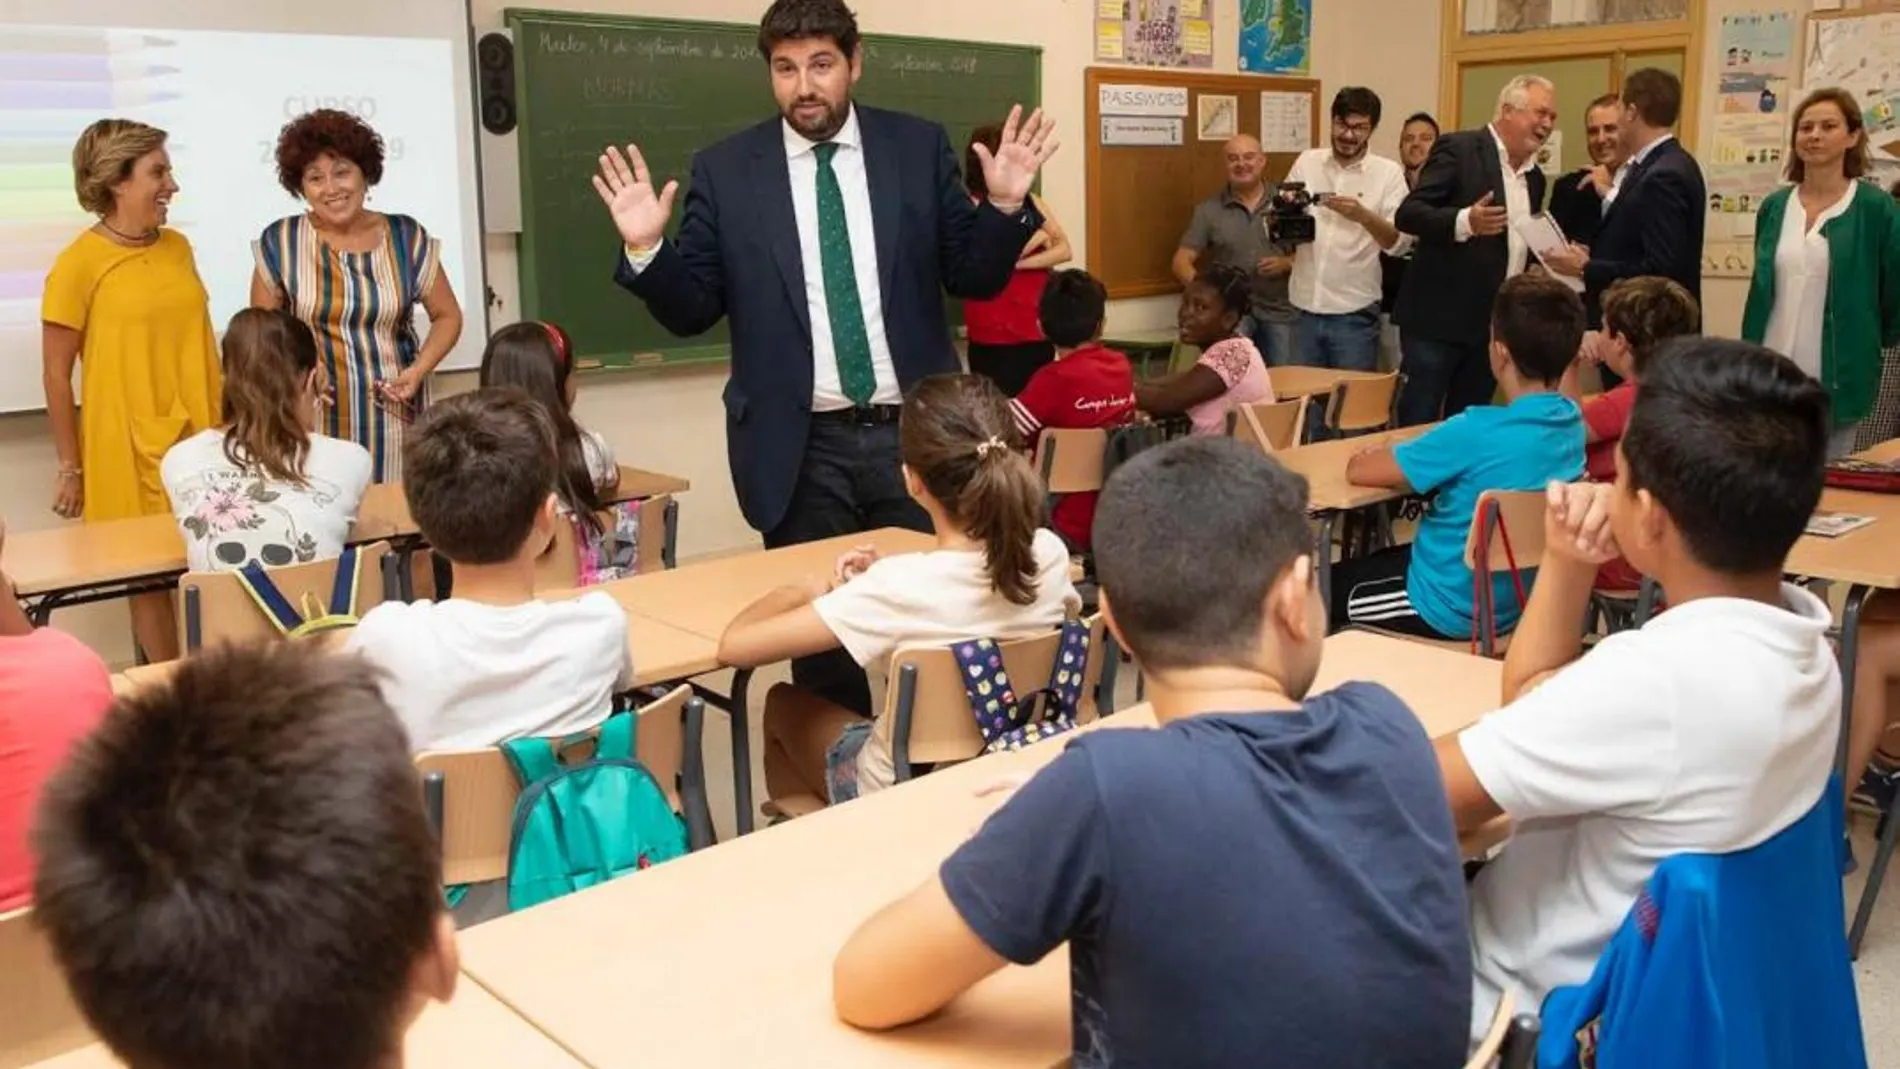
x=1140, y=196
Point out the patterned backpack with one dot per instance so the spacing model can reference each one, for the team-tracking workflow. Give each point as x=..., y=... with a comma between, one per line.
x=1009, y=721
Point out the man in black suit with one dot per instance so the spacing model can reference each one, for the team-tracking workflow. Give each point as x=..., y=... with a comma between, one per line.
x=827, y=237
x=1476, y=183
x=1653, y=222
x=1576, y=199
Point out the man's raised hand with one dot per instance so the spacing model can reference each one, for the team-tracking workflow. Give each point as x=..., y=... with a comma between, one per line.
x=627, y=191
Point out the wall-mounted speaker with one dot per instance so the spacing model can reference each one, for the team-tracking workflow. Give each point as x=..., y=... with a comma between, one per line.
x=495, y=77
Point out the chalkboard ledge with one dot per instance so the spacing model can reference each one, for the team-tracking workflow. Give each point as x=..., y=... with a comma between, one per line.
x=700, y=356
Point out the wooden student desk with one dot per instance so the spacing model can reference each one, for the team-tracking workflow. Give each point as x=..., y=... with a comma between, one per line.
x=1330, y=495
x=703, y=598
x=80, y=563
x=1867, y=560
x=472, y=1031
x=724, y=957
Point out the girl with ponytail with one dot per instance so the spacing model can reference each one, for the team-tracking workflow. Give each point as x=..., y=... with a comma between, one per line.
x=994, y=573
x=265, y=486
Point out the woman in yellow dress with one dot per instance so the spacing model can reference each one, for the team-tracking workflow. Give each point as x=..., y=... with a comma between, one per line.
x=124, y=300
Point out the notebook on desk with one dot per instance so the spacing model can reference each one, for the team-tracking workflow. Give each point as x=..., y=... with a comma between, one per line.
x=1828, y=524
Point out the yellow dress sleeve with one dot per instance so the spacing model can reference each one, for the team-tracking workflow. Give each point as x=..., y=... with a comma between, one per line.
x=67, y=301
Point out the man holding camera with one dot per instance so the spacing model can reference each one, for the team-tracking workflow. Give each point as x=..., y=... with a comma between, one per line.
x=1230, y=229
x=1337, y=277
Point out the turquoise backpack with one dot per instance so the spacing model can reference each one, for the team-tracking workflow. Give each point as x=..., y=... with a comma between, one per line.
x=577, y=826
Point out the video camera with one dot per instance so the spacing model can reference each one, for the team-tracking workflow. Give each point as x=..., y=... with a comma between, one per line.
x=1291, y=217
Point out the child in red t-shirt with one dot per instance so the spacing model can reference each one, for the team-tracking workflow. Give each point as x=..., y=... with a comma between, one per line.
x=1087, y=386
x=1639, y=314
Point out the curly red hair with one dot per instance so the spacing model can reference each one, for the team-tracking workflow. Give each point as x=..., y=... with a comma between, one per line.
x=314, y=133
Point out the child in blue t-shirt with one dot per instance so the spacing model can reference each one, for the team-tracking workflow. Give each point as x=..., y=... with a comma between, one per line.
x=1536, y=438
x=1269, y=876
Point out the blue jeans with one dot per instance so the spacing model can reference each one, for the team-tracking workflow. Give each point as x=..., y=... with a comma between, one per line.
x=1447, y=375
x=1345, y=342
x=1274, y=340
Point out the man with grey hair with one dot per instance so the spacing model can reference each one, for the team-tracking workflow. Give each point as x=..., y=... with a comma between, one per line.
x=1475, y=184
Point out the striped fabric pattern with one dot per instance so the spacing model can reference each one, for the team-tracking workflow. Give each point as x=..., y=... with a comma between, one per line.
x=361, y=306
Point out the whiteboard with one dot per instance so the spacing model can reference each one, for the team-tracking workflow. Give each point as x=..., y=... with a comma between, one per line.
x=223, y=91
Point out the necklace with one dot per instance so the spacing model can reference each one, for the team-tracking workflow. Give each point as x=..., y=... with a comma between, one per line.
x=144, y=239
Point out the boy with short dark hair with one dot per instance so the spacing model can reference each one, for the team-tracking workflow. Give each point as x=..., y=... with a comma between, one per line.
x=1709, y=730
x=1271, y=873
x=1425, y=589
x=1087, y=386
x=236, y=869
x=492, y=663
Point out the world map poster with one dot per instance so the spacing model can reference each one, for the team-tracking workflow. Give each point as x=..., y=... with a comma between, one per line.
x=1276, y=36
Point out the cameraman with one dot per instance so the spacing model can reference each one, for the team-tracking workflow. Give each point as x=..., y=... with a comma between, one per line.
x=1337, y=279
x=1229, y=229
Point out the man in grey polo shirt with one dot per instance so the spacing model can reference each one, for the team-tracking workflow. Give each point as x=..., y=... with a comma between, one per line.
x=1230, y=228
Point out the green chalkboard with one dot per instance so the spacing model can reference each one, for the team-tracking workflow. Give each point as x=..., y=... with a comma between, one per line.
x=673, y=87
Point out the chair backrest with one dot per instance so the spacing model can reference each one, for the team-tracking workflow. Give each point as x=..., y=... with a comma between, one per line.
x=1071, y=460
x=1521, y=515
x=1270, y=425
x=1362, y=404
x=937, y=708
x=37, y=1017
x=474, y=806
x=1486, y=1054
x=214, y=606
x=559, y=568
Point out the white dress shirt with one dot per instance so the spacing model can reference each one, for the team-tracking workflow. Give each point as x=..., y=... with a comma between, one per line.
x=1623, y=172
x=1801, y=270
x=848, y=164
x=1517, y=201
x=1339, y=270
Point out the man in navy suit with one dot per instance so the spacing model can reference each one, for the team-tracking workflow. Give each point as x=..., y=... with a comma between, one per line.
x=827, y=237
x=1475, y=185
x=1654, y=213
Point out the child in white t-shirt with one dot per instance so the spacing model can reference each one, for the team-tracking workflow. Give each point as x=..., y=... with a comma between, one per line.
x=491, y=663
x=265, y=487
x=993, y=574
x=1709, y=730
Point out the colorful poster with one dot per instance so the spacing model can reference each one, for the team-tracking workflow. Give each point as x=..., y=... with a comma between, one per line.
x=1861, y=54
x=1746, y=151
x=1276, y=36
x=1155, y=33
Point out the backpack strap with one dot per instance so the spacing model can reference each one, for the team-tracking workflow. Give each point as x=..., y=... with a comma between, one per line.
x=270, y=600
x=1065, y=675
x=618, y=741
x=532, y=760
x=986, y=683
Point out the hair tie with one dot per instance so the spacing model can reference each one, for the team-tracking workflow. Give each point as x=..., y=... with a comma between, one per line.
x=984, y=449
x=558, y=337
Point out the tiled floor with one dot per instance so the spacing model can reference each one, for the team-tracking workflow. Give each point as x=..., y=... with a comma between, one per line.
x=1878, y=970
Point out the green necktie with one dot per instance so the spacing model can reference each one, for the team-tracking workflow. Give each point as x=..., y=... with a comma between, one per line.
x=849, y=342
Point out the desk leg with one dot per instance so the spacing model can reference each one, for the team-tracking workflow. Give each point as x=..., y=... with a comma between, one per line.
x=39, y=611
x=1323, y=554
x=740, y=713
x=1876, y=872
x=1850, y=657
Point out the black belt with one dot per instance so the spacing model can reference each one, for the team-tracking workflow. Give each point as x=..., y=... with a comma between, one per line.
x=862, y=416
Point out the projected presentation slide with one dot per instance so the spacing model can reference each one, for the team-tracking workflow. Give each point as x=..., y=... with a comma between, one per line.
x=223, y=98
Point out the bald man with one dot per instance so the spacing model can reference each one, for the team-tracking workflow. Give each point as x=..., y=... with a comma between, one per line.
x=1230, y=228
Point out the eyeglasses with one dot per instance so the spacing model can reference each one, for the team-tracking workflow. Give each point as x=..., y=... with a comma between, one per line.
x=1363, y=129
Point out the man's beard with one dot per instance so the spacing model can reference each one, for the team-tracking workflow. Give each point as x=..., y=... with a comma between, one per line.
x=825, y=127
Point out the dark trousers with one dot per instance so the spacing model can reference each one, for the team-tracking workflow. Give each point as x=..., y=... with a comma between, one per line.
x=1442, y=376
x=1009, y=366
x=851, y=481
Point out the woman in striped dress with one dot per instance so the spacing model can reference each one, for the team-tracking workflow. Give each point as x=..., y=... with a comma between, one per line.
x=355, y=276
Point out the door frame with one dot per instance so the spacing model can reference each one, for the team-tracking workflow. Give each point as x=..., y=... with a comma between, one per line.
x=1612, y=41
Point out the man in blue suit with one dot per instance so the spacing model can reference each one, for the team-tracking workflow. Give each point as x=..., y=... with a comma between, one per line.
x=827, y=236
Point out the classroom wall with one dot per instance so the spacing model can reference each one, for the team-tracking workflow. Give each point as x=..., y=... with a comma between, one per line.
x=673, y=420
x=1723, y=298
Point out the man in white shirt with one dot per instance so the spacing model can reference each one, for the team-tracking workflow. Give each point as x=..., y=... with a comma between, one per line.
x=1337, y=277
x=826, y=237
x=1475, y=185
x=1709, y=730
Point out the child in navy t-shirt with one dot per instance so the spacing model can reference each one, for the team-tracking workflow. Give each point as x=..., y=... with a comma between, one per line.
x=1269, y=877
x=1088, y=386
